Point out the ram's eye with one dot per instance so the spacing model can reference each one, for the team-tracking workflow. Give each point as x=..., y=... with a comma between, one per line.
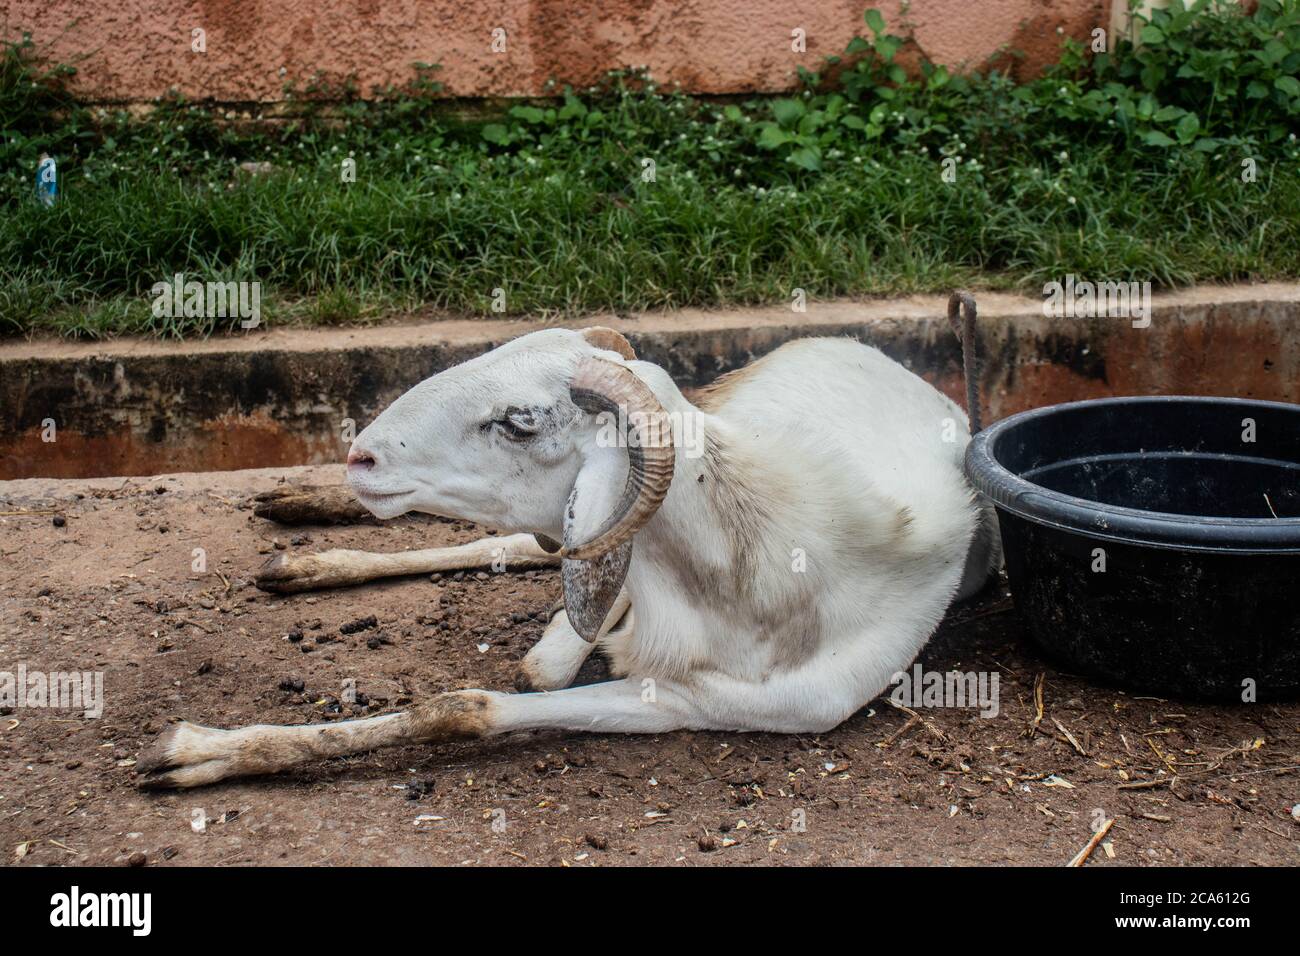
x=517, y=423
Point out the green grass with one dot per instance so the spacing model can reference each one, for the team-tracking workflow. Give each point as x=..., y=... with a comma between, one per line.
x=837, y=192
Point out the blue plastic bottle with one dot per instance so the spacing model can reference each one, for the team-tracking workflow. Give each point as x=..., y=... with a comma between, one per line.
x=47, y=180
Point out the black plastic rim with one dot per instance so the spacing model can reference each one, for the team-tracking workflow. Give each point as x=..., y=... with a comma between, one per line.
x=1095, y=519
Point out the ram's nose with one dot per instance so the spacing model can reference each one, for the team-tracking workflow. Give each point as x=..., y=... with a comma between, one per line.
x=361, y=459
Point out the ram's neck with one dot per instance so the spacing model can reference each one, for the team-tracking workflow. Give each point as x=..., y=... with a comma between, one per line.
x=718, y=520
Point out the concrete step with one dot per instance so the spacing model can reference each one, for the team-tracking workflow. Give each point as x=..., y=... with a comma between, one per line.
x=282, y=397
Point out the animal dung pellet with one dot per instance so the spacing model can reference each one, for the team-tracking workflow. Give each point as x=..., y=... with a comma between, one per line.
x=360, y=624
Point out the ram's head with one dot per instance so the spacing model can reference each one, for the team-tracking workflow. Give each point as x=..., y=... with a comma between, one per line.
x=555, y=433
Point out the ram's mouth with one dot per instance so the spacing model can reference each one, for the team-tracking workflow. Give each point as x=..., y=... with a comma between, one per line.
x=379, y=499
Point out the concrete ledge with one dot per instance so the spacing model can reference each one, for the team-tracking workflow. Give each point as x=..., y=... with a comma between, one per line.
x=279, y=397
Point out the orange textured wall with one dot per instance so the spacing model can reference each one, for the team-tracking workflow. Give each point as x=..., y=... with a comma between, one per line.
x=135, y=50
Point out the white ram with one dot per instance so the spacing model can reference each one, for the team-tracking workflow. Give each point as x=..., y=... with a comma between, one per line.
x=787, y=543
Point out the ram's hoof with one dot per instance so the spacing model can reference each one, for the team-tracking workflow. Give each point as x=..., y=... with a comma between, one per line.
x=185, y=755
x=290, y=573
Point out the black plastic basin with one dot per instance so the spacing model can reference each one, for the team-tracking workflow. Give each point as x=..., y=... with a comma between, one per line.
x=1149, y=543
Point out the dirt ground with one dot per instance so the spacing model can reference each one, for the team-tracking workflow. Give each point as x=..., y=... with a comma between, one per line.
x=113, y=589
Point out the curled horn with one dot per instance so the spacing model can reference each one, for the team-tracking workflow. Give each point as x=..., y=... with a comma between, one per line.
x=599, y=386
x=601, y=337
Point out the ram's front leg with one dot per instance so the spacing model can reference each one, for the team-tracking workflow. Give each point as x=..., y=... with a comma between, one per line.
x=289, y=573
x=555, y=660
x=189, y=756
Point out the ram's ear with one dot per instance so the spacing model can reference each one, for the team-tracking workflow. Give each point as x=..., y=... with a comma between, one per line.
x=620, y=486
x=591, y=585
